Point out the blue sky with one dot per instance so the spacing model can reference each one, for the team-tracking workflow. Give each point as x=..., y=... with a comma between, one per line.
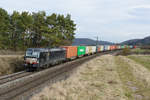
x=110, y=20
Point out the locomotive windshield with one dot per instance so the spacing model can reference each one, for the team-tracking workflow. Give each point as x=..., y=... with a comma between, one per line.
x=31, y=53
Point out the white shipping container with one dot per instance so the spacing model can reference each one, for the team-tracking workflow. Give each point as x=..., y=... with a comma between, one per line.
x=108, y=47
x=93, y=49
x=102, y=48
x=88, y=49
x=119, y=47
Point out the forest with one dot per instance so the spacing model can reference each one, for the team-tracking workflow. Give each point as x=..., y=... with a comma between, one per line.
x=21, y=30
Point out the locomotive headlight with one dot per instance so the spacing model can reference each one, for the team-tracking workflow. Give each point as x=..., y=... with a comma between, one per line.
x=32, y=60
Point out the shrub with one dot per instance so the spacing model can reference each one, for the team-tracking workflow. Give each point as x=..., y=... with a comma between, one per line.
x=126, y=51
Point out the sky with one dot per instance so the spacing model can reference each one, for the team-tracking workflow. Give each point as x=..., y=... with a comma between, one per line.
x=110, y=20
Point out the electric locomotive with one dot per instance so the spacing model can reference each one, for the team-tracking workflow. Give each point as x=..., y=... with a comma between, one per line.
x=43, y=57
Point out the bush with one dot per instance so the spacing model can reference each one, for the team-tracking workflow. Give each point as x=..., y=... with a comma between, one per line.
x=126, y=51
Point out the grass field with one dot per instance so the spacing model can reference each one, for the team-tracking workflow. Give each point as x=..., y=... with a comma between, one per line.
x=134, y=83
x=141, y=59
x=138, y=50
x=103, y=78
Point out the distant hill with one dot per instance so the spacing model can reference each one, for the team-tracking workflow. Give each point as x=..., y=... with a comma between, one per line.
x=86, y=41
x=145, y=41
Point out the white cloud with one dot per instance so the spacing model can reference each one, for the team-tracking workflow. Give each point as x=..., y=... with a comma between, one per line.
x=113, y=20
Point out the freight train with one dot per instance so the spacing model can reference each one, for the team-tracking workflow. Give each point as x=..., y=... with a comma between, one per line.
x=36, y=58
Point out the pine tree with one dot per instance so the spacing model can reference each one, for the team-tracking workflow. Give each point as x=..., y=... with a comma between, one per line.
x=19, y=31
x=4, y=29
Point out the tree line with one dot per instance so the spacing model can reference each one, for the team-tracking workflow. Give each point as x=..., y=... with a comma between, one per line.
x=19, y=31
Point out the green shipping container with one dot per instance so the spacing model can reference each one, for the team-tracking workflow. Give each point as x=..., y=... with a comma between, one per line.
x=81, y=50
x=122, y=46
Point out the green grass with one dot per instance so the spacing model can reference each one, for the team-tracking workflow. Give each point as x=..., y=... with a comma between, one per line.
x=138, y=50
x=143, y=60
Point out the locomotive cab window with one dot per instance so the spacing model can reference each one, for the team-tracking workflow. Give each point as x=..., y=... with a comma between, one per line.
x=31, y=53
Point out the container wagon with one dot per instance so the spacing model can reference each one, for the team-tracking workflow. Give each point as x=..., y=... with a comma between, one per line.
x=102, y=48
x=93, y=49
x=122, y=47
x=81, y=50
x=112, y=47
x=118, y=47
x=115, y=47
x=71, y=52
x=106, y=47
x=98, y=48
x=88, y=50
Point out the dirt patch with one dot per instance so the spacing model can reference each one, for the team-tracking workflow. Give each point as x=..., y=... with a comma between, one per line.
x=94, y=80
x=10, y=64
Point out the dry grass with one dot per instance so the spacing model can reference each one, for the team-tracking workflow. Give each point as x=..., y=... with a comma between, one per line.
x=139, y=71
x=94, y=80
x=10, y=64
x=103, y=78
x=141, y=59
x=138, y=50
x=135, y=77
x=10, y=52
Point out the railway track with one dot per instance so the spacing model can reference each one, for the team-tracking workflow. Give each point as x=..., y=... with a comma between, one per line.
x=14, y=76
x=22, y=88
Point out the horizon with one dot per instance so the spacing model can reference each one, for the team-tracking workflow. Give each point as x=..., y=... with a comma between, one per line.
x=109, y=41
x=100, y=18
